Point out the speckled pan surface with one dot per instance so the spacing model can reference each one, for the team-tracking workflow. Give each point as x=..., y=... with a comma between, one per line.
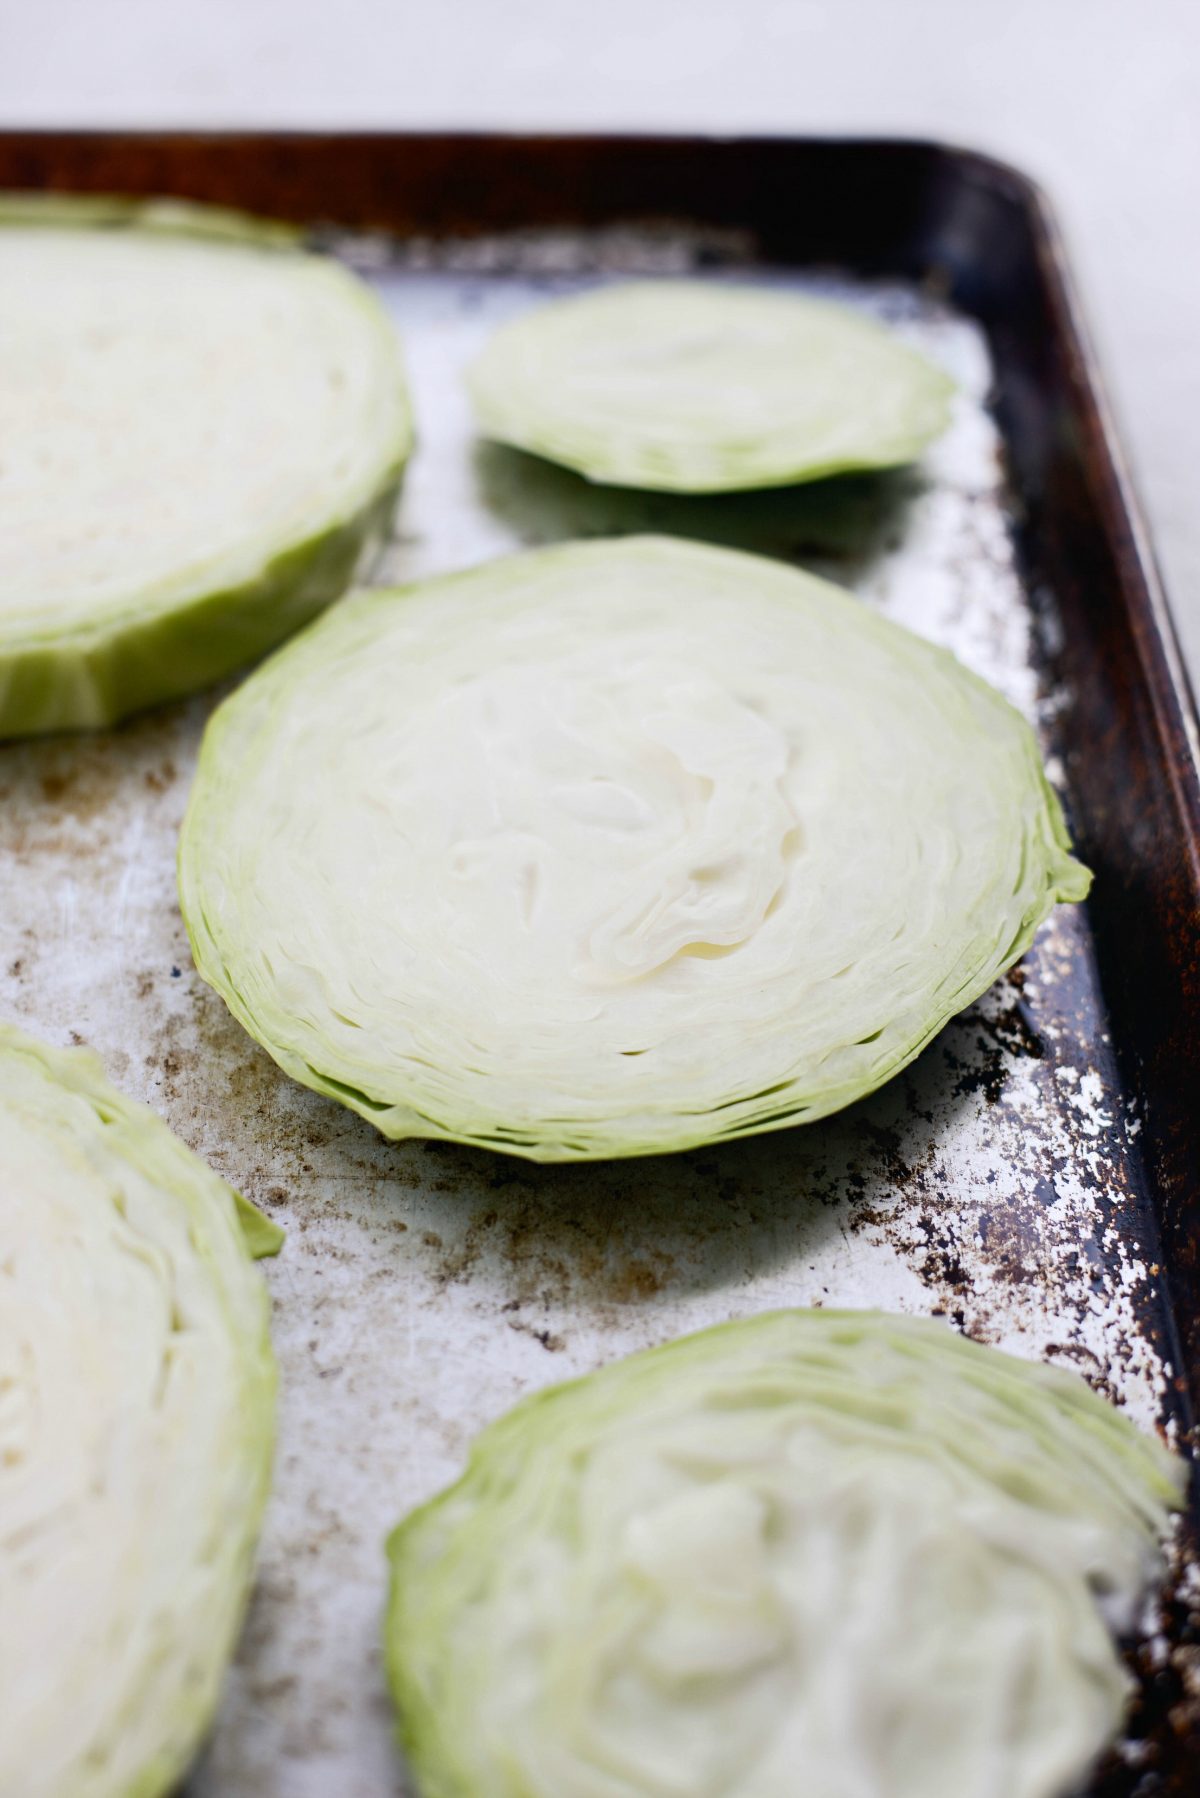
x=426, y=1287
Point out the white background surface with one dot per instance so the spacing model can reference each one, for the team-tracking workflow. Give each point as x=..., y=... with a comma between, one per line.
x=1097, y=98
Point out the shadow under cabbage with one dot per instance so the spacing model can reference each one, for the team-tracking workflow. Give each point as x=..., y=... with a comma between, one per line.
x=839, y=526
x=757, y=1217
x=942, y=1184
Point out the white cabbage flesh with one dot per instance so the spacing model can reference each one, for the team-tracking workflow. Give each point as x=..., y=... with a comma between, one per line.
x=199, y=437
x=612, y=848
x=137, y=1393
x=831, y=1553
x=696, y=387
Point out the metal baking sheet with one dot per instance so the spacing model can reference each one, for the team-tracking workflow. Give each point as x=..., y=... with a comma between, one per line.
x=998, y=1182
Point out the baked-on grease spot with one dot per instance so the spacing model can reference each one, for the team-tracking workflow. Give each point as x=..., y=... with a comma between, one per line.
x=53, y=786
x=552, y=1343
x=1004, y=1033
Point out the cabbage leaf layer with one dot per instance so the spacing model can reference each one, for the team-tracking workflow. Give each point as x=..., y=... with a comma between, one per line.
x=819, y=1552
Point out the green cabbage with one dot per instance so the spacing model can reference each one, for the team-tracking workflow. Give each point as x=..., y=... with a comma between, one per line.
x=813, y=1552
x=610, y=849
x=699, y=387
x=204, y=433
x=137, y=1400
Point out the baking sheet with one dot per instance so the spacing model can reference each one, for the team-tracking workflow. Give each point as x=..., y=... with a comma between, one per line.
x=424, y=1288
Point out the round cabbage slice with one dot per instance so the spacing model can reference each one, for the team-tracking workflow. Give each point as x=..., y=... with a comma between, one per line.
x=699, y=387
x=204, y=432
x=137, y=1399
x=611, y=849
x=812, y=1552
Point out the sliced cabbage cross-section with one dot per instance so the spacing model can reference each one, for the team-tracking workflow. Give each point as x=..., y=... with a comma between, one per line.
x=137, y=1400
x=704, y=387
x=204, y=432
x=813, y=1551
x=612, y=848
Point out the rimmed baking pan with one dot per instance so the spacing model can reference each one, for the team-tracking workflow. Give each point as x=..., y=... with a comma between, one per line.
x=1034, y=1177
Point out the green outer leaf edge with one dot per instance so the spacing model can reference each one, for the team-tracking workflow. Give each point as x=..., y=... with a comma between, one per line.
x=161, y=214
x=1067, y=881
x=93, y=677
x=262, y=1235
x=96, y=678
x=1164, y=1471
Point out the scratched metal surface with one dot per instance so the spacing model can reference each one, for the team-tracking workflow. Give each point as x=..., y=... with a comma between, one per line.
x=424, y=1288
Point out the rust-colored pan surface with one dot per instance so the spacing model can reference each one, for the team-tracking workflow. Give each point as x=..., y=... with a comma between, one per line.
x=1034, y=1177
